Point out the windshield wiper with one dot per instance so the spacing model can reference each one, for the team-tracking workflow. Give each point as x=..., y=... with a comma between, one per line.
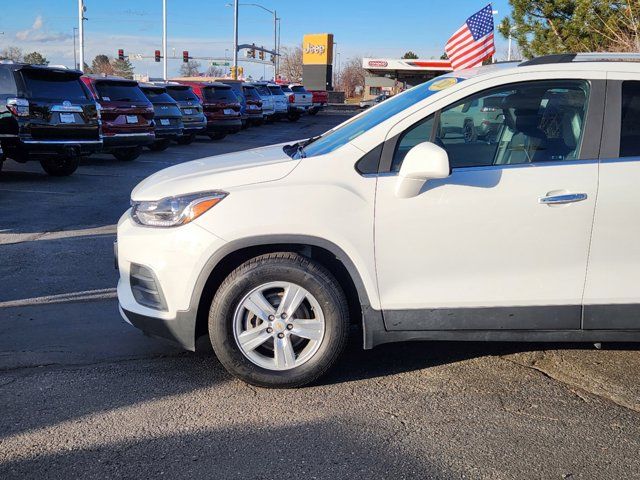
x=298, y=148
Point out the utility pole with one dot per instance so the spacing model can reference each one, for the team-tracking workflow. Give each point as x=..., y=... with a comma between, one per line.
x=75, y=60
x=275, y=45
x=164, y=40
x=235, y=39
x=81, y=20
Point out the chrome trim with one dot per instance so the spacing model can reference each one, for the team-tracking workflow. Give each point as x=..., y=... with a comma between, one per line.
x=120, y=135
x=62, y=142
x=562, y=199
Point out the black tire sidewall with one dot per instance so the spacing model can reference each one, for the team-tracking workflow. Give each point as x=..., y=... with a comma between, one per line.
x=325, y=290
x=53, y=167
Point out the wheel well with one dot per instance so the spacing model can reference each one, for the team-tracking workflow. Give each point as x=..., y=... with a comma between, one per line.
x=238, y=257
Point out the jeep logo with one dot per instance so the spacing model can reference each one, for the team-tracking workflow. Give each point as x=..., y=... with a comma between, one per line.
x=310, y=48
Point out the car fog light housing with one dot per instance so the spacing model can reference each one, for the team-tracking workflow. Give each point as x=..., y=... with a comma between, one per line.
x=174, y=211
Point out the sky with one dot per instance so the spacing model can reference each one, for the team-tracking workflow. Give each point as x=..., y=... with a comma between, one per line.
x=205, y=27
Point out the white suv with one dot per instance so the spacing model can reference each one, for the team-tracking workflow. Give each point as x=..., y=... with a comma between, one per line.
x=528, y=234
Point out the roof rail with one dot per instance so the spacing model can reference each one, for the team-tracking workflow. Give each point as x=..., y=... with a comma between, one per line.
x=582, y=57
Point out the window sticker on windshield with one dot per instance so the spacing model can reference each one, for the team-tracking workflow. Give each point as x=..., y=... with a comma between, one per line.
x=442, y=84
x=106, y=99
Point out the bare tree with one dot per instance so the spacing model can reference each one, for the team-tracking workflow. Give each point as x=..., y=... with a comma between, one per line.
x=11, y=53
x=102, y=65
x=190, y=68
x=214, y=71
x=36, y=58
x=351, y=76
x=291, y=63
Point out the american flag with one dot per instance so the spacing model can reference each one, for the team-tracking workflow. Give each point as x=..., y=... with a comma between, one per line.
x=472, y=43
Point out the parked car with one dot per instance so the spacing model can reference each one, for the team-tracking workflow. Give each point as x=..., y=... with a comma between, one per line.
x=480, y=118
x=249, y=115
x=193, y=119
x=127, y=115
x=280, y=101
x=372, y=102
x=300, y=101
x=320, y=99
x=411, y=235
x=254, y=104
x=268, y=101
x=167, y=116
x=46, y=114
x=220, y=106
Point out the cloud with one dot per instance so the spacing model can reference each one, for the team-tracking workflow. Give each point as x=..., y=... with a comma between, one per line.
x=37, y=34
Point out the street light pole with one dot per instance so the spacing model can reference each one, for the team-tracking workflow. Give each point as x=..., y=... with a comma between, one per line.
x=81, y=32
x=235, y=40
x=164, y=40
x=275, y=44
x=75, y=60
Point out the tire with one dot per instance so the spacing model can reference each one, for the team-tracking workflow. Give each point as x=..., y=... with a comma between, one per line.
x=245, y=124
x=314, y=111
x=324, y=301
x=217, y=135
x=60, y=166
x=185, y=139
x=127, y=154
x=293, y=117
x=469, y=132
x=160, y=145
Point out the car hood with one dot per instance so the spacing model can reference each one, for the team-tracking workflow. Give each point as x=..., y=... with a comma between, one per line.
x=220, y=172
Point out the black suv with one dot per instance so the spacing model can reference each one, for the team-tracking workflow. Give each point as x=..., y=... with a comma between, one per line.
x=193, y=118
x=167, y=116
x=47, y=114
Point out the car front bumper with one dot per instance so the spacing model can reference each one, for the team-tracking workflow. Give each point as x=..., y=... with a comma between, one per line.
x=176, y=257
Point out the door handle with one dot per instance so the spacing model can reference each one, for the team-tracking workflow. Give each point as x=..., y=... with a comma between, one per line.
x=562, y=199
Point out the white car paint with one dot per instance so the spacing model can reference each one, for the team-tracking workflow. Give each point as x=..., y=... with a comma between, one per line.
x=479, y=238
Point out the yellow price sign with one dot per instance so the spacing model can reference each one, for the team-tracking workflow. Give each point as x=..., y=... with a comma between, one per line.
x=443, y=84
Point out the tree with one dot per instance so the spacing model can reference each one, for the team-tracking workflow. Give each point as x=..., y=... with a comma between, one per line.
x=410, y=55
x=11, y=53
x=351, y=76
x=35, y=58
x=190, y=68
x=541, y=27
x=291, y=64
x=102, y=65
x=122, y=68
x=214, y=71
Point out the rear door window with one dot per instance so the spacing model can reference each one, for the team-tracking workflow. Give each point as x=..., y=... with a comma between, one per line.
x=630, y=126
x=51, y=85
x=120, y=92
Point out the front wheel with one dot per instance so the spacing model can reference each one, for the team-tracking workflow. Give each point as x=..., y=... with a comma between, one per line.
x=279, y=320
x=60, y=166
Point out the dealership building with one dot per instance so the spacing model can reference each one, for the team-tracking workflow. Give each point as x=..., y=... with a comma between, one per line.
x=391, y=75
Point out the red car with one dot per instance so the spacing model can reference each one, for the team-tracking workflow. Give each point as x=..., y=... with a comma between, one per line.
x=127, y=115
x=220, y=106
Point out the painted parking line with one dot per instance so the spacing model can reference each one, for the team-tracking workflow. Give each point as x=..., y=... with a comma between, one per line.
x=83, y=296
x=9, y=238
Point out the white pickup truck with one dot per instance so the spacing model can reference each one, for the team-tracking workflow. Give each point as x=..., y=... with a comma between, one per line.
x=300, y=100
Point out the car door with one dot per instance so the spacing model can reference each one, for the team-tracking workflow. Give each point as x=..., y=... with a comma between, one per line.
x=502, y=243
x=612, y=292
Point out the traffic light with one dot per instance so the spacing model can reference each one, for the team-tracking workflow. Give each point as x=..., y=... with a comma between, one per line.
x=185, y=56
x=261, y=54
x=120, y=54
x=157, y=55
x=252, y=51
x=233, y=73
x=240, y=72
x=272, y=58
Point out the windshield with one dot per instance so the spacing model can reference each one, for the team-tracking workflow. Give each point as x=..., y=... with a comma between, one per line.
x=219, y=95
x=182, y=94
x=46, y=84
x=333, y=139
x=157, y=95
x=263, y=90
x=120, y=92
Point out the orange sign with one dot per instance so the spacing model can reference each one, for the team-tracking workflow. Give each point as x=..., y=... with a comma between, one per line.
x=317, y=49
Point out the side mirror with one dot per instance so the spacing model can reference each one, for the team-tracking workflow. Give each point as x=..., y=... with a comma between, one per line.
x=423, y=162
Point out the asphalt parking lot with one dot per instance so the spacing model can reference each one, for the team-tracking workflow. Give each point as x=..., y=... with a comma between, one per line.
x=84, y=395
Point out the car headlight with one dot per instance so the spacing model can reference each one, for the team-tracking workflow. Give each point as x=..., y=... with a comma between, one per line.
x=174, y=211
